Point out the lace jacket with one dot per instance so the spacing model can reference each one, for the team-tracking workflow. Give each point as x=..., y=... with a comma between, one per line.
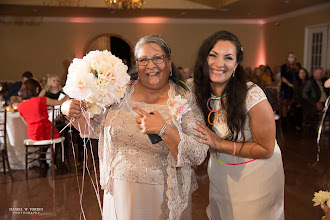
x=118, y=161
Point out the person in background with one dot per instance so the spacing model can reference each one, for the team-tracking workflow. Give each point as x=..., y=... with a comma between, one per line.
x=289, y=72
x=142, y=180
x=53, y=88
x=256, y=76
x=248, y=71
x=267, y=77
x=241, y=128
x=186, y=74
x=278, y=80
x=262, y=68
x=15, y=88
x=299, y=102
x=43, y=81
x=34, y=111
x=180, y=70
x=315, y=95
x=266, y=82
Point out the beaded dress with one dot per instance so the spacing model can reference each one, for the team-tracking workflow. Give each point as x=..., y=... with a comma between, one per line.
x=129, y=162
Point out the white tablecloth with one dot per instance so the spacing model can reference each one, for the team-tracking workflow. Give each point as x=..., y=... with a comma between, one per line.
x=16, y=134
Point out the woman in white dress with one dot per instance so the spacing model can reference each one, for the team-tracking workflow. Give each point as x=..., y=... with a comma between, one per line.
x=245, y=166
x=142, y=180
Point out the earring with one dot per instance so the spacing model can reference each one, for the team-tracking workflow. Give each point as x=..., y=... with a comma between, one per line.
x=171, y=73
x=233, y=73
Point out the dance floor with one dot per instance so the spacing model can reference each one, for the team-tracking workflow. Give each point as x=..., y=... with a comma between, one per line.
x=60, y=199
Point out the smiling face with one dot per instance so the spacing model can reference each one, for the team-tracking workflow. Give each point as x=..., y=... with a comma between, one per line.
x=153, y=76
x=222, y=62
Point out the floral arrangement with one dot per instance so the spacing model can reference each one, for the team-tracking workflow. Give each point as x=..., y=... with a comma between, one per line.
x=178, y=106
x=100, y=78
x=321, y=198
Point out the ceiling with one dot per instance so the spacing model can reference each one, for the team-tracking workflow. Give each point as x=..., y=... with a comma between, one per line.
x=199, y=9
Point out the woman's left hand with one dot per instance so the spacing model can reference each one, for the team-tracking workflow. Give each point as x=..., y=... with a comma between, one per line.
x=207, y=136
x=149, y=123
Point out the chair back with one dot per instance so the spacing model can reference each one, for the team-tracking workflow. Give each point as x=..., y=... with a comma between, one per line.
x=56, y=118
x=3, y=129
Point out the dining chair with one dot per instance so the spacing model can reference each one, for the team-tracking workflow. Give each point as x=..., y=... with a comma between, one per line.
x=3, y=142
x=34, y=149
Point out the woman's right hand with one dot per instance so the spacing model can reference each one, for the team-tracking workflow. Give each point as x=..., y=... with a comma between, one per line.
x=72, y=108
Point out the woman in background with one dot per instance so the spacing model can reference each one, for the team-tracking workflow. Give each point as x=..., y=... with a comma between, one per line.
x=34, y=111
x=298, y=87
x=289, y=73
x=245, y=166
x=53, y=88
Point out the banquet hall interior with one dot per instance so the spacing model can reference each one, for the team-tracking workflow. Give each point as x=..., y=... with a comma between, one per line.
x=44, y=36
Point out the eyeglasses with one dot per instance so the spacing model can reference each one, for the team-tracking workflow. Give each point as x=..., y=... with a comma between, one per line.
x=156, y=60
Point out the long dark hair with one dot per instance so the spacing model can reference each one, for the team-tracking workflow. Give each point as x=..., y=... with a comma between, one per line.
x=29, y=89
x=236, y=89
x=176, y=76
x=299, y=81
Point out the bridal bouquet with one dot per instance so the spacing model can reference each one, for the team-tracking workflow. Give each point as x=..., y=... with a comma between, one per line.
x=321, y=198
x=99, y=78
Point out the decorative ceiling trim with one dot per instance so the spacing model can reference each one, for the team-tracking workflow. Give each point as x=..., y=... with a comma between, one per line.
x=151, y=20
x=297, y=13
x=164, y=20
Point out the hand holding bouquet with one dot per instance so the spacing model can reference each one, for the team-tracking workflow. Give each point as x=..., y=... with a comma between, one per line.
x=99, y=78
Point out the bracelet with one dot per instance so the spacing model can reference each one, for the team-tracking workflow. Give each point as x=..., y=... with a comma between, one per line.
x=161, y=132
x=234, y=148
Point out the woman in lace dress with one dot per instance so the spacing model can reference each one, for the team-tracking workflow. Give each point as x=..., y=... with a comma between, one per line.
x=241, y=128
x=142, y=180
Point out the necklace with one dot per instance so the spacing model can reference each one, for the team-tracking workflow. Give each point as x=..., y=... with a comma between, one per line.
x=214, y=111
x=167, y=119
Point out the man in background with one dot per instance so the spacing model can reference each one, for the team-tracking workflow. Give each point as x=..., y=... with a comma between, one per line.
x=14, y=89
x=315, y=95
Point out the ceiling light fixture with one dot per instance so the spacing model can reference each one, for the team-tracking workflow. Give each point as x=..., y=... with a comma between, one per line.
x=124, y=4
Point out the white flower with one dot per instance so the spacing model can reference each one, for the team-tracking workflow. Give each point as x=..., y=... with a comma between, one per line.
x=79, y=86
x=99, y=78
x=321, y=198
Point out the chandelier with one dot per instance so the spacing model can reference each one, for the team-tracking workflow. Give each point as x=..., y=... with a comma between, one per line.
x=124, y=4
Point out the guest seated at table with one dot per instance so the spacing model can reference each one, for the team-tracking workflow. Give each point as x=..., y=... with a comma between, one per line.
x=256, y=76
x=15, y=88
x=14, y=102
x=34, y=111
x=267, y=77
x=53, y=88
x=315, y=95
